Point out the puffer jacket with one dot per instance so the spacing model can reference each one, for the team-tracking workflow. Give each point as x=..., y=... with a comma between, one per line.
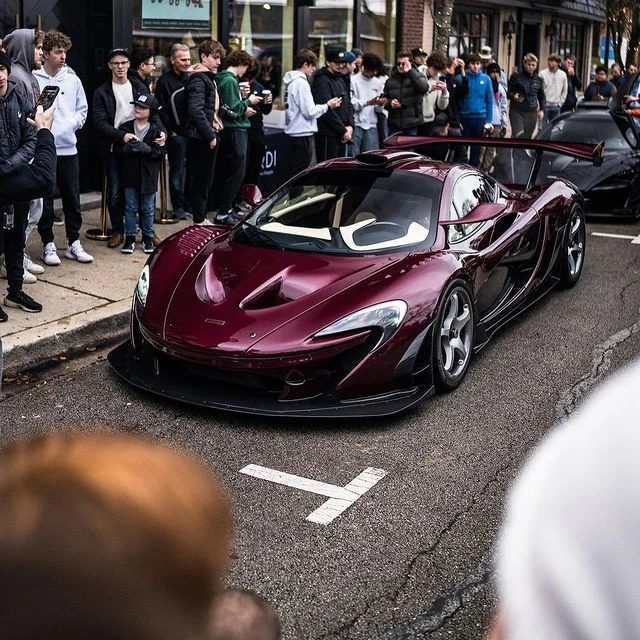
x=327, y=85
x=409, y=89
x=531, y=87
x=203, y=102
x=17, y=136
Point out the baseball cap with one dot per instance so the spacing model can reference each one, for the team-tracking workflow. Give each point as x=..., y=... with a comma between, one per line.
x=494, y=66
x=338, y=54
x=118, y=52
x=5, y=61
x=418, y=51
x=486, y=53
x=147, y=101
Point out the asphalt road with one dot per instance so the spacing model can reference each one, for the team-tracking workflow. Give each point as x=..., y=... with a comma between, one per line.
x=411, y=558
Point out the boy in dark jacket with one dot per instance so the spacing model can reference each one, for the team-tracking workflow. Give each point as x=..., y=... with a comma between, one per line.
x=527, y=99
x=141, y=159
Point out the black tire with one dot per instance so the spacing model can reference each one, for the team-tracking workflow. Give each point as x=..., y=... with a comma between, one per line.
x=572, y=252
x=453, y=336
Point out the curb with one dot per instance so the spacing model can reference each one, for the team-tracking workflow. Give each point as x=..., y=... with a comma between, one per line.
x=36, y=348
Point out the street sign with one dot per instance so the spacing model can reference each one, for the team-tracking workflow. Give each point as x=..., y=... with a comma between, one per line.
x=340, y=498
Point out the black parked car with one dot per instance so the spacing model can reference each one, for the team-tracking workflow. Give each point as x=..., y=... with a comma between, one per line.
x=612, y=189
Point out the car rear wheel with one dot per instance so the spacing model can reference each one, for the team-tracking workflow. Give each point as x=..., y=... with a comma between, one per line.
x=453, y=337
x=573, y=248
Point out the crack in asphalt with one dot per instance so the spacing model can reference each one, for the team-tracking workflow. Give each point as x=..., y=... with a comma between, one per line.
x=623, y=291
x=447, y=604
x=600, y=364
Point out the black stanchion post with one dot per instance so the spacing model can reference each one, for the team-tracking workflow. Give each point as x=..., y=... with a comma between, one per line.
x=103, y=233
x=164, y=218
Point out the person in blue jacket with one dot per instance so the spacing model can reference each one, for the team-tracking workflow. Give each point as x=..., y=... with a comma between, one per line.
x=476, y=108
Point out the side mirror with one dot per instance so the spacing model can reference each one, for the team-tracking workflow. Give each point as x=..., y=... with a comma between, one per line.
x=483, y=212
x=251, y=194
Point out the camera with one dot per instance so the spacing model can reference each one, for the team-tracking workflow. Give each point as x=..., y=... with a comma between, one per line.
x=227, y=112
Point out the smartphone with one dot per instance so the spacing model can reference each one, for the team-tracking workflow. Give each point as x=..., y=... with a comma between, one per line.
x=442, y=78
x=46, y=99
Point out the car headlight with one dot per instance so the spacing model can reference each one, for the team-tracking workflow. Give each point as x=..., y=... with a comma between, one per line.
x=386, y=315
x=142, y=288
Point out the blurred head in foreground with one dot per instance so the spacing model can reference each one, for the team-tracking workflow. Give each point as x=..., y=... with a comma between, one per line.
x=569, y=554
x=108, y=536
x=239, y=614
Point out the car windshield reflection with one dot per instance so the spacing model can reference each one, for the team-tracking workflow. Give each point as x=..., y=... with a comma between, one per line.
x=347, y=212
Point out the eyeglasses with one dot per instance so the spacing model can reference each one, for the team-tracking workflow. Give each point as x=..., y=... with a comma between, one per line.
x=124, y=63
x=149, y=64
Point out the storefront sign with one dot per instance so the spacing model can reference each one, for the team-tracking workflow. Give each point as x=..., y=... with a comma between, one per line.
x=176, y=14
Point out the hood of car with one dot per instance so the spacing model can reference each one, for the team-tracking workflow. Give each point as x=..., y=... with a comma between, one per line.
x=232, y=296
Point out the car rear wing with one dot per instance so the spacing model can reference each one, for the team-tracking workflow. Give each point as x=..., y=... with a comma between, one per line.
x=591, y=152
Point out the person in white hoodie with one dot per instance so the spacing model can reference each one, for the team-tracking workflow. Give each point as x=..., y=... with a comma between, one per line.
x=366, y=97
x=302, y=112
x=71, y=114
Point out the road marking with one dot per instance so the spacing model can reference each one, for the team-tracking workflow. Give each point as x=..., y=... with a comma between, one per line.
x=619, y=236
x=340, y=498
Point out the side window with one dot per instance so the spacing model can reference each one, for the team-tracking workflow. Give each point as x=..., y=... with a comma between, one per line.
x=469, y=192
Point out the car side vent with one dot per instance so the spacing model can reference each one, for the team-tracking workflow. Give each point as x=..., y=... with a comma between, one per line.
x=194, y=238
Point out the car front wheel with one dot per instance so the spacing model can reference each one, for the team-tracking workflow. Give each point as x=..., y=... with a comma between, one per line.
x=453, y=337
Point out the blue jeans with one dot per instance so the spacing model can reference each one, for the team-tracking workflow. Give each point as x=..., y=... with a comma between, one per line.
x=176, y=153
x=112, y=169
x=473, y=128
x=138, y=203
x=364, y=140
x=550, y=113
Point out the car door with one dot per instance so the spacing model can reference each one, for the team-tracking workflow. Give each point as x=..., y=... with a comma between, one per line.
x=507, y=246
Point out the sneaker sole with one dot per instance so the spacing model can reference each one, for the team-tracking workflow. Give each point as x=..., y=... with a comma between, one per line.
x=51, y=263
x=82, y=260
x=16, y=305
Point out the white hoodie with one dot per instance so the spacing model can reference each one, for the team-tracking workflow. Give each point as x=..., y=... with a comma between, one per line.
x=302, y=112
x=71, y=108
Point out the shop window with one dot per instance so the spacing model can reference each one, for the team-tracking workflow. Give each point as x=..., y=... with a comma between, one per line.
x=469, y=32
x=570, y=39
x=158, y=24
x=265, y=30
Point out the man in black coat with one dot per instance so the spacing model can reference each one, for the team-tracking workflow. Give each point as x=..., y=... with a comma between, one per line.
x=203, y=127
x=335, y=128
x=404, y=91
x=20, y=182
x=113, y=105
x=171, y=94
x=17, y=146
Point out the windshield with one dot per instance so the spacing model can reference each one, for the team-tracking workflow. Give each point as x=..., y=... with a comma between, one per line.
x=588, y=130
x=348, y=212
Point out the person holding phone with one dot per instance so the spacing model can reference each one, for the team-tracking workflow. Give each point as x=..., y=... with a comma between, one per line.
x=301, y=112
x=72, y=108
x=335, y=127
x=17, y=147
x=436, y=100
x=367, y=99
x=404, y=91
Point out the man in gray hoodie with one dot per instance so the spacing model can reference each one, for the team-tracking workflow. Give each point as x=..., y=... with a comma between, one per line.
x=24, y=47
x=302, y=112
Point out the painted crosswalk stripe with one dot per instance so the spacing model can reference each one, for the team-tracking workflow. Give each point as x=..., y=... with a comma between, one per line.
x=340, y=498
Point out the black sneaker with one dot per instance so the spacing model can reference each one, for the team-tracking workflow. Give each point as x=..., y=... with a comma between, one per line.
x=147, y=244
x=3, y=316
x=129, y=244
x=22, y=301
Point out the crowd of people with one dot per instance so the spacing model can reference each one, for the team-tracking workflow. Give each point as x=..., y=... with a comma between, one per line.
x=206, y=117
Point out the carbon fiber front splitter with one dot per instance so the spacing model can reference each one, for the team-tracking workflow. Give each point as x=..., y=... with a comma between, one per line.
x=167, y=378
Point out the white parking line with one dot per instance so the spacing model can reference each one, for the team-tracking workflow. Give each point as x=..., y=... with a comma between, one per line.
x=619, y=236
x=340, y=498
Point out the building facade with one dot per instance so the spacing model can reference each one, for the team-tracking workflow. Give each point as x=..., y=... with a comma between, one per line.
x=273, y=30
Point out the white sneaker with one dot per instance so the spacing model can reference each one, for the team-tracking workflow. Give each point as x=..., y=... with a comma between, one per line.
x=76, y=252
x=27, y=278
x=50, y=255
x=31, y=266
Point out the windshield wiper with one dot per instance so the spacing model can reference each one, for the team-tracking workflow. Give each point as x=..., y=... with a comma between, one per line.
x=255, y=235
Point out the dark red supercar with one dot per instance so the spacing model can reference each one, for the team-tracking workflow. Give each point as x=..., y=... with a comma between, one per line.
x=356, y=289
